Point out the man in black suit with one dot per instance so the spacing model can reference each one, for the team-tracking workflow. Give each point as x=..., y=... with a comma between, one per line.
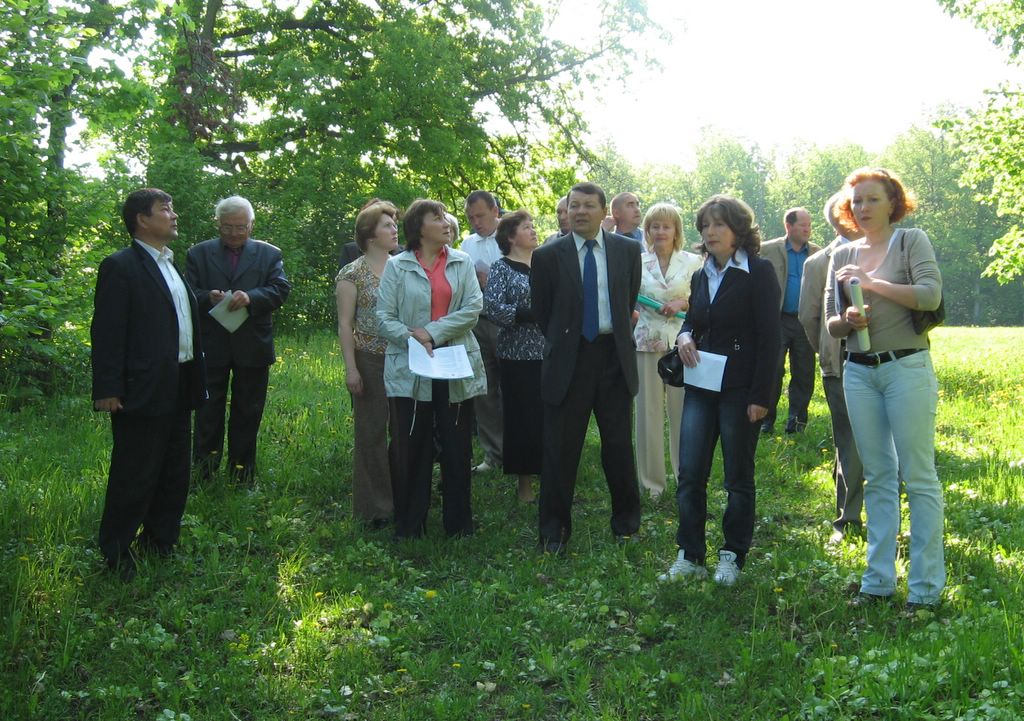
x=584, y=285
x=253, y=272
x=147, y=373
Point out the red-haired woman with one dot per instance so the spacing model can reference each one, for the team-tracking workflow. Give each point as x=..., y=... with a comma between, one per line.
x=890, y=385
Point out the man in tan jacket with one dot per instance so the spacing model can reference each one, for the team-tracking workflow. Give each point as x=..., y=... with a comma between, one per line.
x=788, y=255
x=847, y=470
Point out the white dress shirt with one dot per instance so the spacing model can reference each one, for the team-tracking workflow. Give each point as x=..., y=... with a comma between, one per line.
x=738, y=260
x=482, y=249
x=604, y=308
x=165, y=262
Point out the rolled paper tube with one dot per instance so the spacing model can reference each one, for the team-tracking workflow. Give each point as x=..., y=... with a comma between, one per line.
x=863, y=339
x=651, y=303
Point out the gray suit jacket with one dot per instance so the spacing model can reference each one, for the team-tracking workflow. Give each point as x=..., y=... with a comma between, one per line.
x=556, y=290
x=260, y=273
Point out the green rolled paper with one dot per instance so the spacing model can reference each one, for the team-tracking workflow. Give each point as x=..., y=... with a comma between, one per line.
x=651, y=303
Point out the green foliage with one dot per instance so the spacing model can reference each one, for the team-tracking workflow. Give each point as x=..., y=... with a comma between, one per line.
x=280, y=605
x=960, y=228
x=991, y=138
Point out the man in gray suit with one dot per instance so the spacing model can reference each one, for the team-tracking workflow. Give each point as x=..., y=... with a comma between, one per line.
x=583, y=288
x=847, y=470
x=253, y=273
x=787, y=255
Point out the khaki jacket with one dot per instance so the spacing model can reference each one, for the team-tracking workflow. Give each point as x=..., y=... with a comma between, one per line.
x=812, y=310
x=774, y=251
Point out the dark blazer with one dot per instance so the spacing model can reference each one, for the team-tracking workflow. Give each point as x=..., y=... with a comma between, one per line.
x=350, y=251
x=742, y=323
x=260, y=273
x=556, y=289
x=135, y=337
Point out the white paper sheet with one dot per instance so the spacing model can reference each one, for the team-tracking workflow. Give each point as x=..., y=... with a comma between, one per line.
x=449, y=363
x=230, y=319
x=708, y=373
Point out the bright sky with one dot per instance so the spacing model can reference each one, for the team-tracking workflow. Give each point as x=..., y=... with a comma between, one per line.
x=782, y=72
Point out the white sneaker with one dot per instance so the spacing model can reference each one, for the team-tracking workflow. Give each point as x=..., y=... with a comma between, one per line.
x=684, y=568
x=482, y=467
x=727, y=573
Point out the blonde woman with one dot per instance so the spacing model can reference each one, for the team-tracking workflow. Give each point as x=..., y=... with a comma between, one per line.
x=666, y=272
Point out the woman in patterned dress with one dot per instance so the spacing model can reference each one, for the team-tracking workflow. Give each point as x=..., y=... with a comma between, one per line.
x=520, y=348
x=363, y=351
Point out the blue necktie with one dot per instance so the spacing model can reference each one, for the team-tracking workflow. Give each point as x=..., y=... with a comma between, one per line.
x=590, y=324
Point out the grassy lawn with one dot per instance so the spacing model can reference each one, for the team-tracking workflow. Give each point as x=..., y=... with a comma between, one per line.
x=279, y=606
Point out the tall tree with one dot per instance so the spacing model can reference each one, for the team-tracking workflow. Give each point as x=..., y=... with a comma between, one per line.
x=961, y=228
x=992, y=137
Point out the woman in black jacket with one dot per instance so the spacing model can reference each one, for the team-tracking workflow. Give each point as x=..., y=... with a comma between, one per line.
x=734, y=301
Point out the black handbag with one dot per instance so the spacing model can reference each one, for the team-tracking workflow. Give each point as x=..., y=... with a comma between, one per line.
x=670, y=368
x=923, y=320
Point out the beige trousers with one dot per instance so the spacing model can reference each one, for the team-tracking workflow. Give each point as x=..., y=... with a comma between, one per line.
x=652, y=401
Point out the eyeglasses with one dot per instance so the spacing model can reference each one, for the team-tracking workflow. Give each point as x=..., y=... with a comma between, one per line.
x=234, y=228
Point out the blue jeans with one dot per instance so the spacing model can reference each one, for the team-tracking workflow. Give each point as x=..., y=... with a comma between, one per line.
x=892, y=410
x=707, y=417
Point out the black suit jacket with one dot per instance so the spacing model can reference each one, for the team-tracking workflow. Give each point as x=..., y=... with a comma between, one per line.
x=350, y=251
x=556, y=289
x=260, y=273
x=135, y=337
x=742, y=323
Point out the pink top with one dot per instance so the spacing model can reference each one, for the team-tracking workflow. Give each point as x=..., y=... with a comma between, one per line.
x=440, y=288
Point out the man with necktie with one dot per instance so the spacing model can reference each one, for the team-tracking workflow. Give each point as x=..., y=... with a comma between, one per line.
x=253, y=272
x=584, y=286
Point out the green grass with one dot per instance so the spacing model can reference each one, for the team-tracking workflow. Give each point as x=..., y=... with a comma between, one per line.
x=279, y=606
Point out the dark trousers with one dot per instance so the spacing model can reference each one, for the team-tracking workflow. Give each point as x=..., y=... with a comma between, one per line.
x=801, y=370
x=417, y=424
x=147, y=485
x=248, y=398
x=708, y=417
x=847, y=471
x=598, y=387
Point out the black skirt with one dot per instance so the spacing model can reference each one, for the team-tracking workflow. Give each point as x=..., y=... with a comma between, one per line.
x=523, y=415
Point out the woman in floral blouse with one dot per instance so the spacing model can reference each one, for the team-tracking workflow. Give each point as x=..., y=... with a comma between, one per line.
x=666, y=271
x=363, y=351
x=520, y=348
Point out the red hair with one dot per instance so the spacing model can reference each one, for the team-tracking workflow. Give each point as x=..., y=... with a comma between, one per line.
x=903, y=201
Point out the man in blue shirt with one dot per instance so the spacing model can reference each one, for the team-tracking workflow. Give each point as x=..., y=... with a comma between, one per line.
x=787, y=255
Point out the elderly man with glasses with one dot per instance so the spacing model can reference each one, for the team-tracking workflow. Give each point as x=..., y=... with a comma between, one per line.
x=249, y=274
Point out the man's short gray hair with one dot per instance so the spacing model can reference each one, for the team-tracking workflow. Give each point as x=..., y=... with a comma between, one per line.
x=234, y=204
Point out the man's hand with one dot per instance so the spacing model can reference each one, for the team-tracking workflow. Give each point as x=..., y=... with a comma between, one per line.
x=216, y=296
x=756, y=413
x=608, y=223
x=239, y=299
x=107, y=405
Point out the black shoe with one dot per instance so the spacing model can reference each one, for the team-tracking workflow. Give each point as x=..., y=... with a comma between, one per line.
x=863, y=600
x=795, y=425
x=124, y=567
x=555, y=548
x=624, y=539
x=767, y=427
x=913, y=607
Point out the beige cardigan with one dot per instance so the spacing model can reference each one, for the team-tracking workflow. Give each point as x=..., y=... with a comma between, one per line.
x=890, y=326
